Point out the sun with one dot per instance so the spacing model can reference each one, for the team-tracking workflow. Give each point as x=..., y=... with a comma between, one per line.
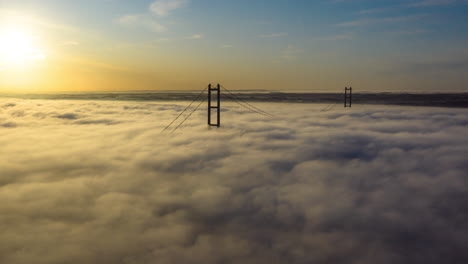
x=18, y=48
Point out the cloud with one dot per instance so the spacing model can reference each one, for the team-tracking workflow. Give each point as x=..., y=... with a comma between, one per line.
x=164, y=7
x=39, y=56
x=273, y=35
x=460, y=64
x=8, y=124
x=371, y=184
x=291, y=52
x=374, y=10
x=9, y=105
x=411, y=32
x=71, y=43
x=160, y=8
x=70, y=116
x=145, y=21
x=371, y=21
x=196, y=36
x=428, y=3
x=412, y=4
x=343, y=36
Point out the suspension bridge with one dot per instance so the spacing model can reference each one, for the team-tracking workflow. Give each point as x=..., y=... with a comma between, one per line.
x=212, y=94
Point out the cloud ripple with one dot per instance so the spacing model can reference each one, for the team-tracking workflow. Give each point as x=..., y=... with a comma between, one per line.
x=373, y=184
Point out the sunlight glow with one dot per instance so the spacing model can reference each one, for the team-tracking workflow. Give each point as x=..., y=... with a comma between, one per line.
x=18, y=48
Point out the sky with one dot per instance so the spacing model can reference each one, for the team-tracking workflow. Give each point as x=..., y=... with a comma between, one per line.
x=96, y=182
x=324, y=45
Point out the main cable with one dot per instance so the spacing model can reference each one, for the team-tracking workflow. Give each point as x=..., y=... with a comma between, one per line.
x=252, y=108
x=247, y=107
x=187, y=117
x=184, y=110
x=331, y=106
x=256, y=109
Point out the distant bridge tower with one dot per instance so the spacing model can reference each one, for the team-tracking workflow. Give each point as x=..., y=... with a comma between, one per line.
x=348, y=97
x=217, y=91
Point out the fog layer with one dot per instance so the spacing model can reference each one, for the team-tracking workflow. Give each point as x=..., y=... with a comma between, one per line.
x=96, y=182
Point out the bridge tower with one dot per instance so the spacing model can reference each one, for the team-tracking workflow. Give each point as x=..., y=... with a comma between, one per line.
x=216, y=92
x=348, y=97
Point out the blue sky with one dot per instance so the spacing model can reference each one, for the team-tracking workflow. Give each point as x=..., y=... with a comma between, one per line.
x=269, y=44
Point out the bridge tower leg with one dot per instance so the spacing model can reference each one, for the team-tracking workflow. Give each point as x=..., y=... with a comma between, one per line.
x=211, y=107
x=348, y=97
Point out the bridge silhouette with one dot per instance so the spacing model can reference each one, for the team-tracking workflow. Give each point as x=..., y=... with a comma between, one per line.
x=215, y=91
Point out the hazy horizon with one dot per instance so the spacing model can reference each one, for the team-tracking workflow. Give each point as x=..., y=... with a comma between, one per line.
x=304, y=91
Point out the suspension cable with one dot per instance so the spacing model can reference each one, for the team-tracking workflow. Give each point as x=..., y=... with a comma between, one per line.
x=250, y=106
x=330, y=106
x=184, y=110
x=247, y=107
x=187, y=117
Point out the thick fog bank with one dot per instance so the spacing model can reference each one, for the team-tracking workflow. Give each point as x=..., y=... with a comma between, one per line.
x=96, y=182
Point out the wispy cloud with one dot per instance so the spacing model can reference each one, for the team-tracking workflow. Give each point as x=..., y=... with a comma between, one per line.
x=164, y=7
x=91, y=63
x=370, y=21
x=428, y=3
x=196, y=36
x=150, y=20
x=374, y=10
x=141, y=20
x=423, y=3
x=410, y=32
x=291, y=52
x=274, y=35
x=70, y=43
x=39, y=56
x=459, y=64
x=343, y=36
